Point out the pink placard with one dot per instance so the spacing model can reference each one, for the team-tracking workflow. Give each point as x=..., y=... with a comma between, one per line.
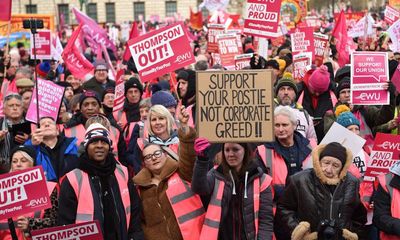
x=213, y=31
x=320, y=48
x=262, y=17
x=385, y=153
x=228, y=49
x=242, y=60
x=87, y=230
x=162, y=51
x=50, y=97
x=301, y=64
x=391, y=15
x=370, y=74
x=43, y=44
x=23, y=192
x=303, y=40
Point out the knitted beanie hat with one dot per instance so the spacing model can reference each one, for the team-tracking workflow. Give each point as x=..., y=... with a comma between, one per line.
x=94, y=132
x=89, y=94
x=343, y=84
x=347, y=119
x=286, y=80
x=43, y=69
x=163, y=98
x=31, y=151
x=319, y=79
x=336, y=150
x=133, y=83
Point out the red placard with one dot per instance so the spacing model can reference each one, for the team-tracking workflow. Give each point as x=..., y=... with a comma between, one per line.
x=242, y=61
x=228, y=49
x=87, y=230
x=320, y=48
x=385, y=153
x=23, y=192
x=213, y=31
x=391, y=15
x=301, y=63
x=369, y=73
x=43, y=44
x=162, y=51
x=303, y=40
x=238, y=33
x=262, y=18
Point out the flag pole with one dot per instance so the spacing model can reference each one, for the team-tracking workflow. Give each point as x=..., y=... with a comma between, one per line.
x=365, y=30
x=7, y=45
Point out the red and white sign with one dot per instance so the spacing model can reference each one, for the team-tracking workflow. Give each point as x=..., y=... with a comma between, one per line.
x=242, y=61
x=320, y=48
x=213, y=31
x=238, y=33
x=385, y=153
x=302, y=40
x=119, y=91
x=262, y=17
x=43, y=44
x=370, y=73
x=394, y=33
x=23, y=192
x=161, y=51
x=301, y=64
x=391, y=15
x=87, y=230
x=313, y=21
x=50, y=98
x=228, y=49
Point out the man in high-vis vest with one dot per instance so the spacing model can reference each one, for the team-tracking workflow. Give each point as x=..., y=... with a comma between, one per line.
x=387, y=204
x=99, y=189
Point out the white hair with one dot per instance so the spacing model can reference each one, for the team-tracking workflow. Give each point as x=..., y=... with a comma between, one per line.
x=286, y=111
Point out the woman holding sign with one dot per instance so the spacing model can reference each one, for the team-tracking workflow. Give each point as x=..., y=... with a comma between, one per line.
x=23, y=157
x=240, y=194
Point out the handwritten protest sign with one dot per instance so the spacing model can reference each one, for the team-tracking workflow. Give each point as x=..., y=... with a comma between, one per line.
x=228, y=49
x=43, y=44
x=242, y=60
x=303, y=40
x=301, y=64
x=23, y=192
x=235, y=106
x=385, y=153
x=369, y=75
x=161, y=51
x=262, y=18
x=394, y=33
x=50, y=97
x=320, y=47
x=391, y=15
x=87, y=230
x=213, y=31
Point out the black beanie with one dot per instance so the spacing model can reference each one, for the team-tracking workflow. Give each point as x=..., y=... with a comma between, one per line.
x=133, y=83
x=189, y=76
x=343, y=84
x=27, y=149
x=336, y=150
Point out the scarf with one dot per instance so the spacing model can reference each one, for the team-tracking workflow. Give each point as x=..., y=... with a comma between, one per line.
x=132, y=111
x=173, y=139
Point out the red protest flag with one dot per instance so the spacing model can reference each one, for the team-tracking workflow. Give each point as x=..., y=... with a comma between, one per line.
x=5, y=14
x=340, y=33
x=196, y=20
x=134, y=33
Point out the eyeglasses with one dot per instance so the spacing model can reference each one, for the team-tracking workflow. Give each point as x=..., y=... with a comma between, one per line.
x=149, y=157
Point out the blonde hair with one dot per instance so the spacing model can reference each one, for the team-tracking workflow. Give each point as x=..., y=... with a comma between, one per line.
x=160, y=110
x=98, y=119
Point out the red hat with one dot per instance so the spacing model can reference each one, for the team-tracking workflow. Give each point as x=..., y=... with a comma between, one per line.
x=43, y=69
x=319, y=79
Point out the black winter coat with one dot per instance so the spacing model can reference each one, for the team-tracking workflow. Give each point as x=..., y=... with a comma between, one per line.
x=93, y=85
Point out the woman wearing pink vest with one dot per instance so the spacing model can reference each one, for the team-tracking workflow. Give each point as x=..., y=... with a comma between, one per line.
x=240, y=194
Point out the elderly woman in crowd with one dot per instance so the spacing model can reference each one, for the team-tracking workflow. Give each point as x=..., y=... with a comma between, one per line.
x=323, y=202
x=170, y=209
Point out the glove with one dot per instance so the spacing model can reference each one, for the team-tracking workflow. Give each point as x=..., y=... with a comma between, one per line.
x=200, y=145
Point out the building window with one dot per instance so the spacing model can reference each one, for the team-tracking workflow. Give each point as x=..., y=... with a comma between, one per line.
x=170, y=8
x=63, y=10
x=31, y=8
x=92, y=11
x=139, y=9
x=110, y=12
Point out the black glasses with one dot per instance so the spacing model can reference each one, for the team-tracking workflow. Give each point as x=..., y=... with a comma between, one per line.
x=155, y=154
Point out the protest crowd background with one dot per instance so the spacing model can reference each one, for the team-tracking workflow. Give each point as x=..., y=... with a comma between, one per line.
x=278, y=122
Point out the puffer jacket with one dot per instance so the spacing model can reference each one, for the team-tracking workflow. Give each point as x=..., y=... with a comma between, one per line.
x=203, y=184
x=308, y=200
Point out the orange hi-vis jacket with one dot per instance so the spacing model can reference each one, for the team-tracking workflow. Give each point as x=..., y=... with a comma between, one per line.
x=213, y=216
x=394, y=193
x=187, y=207
x=79, y=181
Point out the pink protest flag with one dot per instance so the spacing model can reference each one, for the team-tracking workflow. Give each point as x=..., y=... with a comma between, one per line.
x=396, y=78
x=73, y=58
x=340, y=33
x=134, y=33
x=95, y=35
x=5, y=13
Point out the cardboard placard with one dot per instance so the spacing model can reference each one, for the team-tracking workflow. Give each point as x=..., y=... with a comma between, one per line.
x=50, y=98
x=87, y=230
x=228, y=49
x=262, y=18
x=303, y=40
x=235, y=106
x=301, y=64
x=242, y=61
x=23, y=192
x=161, y=51
x=369, y=74
x=43, y=44
x=213, y=31
x=320, y=48
x=385, y=153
